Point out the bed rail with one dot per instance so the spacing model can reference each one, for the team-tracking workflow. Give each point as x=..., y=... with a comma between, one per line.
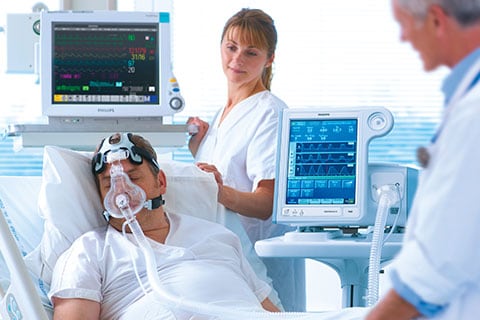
x=20, y=301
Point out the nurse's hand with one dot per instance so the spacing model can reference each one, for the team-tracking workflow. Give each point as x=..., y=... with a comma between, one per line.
x=196, y=136
x=218, y=177
x=211, y=168
x=257, y=204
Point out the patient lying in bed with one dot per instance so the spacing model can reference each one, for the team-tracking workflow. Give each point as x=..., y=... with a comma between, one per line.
x=196, y=259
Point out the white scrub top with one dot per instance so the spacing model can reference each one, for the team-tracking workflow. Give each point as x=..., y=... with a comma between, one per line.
x=243, y=148
x=440, y=257
x=200, y=261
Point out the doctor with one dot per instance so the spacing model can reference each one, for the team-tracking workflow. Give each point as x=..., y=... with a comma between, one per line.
x=239, y=147
x=437, y=273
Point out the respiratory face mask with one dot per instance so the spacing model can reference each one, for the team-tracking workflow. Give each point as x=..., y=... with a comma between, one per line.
x=123, y=193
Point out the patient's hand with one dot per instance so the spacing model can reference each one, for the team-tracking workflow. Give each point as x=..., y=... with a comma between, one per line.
x=269, y=306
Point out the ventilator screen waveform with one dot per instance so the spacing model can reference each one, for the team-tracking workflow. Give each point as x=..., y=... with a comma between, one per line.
x=322, y=161
x=105, y=63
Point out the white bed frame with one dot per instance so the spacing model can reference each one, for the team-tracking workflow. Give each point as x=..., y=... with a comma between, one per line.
x=21, y=300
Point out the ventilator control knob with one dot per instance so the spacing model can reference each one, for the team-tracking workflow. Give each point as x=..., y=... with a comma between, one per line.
x=176, y=103
x=377, y=121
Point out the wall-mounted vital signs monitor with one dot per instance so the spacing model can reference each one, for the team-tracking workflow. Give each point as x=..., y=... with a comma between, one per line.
x=107, y=64
x=103, y=72
x=322, y=165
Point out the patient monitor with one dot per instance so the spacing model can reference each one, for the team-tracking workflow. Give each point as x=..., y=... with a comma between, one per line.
x=105, y=71
x=99, y=64
x=323, y=174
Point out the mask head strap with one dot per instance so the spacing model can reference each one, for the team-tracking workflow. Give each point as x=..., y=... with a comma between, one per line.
x=123, y=149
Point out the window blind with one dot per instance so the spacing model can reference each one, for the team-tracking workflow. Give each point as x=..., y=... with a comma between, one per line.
x=329, y=53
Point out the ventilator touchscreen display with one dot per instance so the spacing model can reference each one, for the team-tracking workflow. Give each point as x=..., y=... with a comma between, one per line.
x=322, y=160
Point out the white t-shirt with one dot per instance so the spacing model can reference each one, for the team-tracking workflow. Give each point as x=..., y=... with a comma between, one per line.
x=200, y=261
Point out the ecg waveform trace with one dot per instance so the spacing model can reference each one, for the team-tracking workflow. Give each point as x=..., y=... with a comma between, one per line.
x=324, y=170
x=325, y=159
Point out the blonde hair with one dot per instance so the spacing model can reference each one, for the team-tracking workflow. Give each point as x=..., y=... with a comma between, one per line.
x=256, y=27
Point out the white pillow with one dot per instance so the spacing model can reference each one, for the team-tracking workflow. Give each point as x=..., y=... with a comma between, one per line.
x=70, y=204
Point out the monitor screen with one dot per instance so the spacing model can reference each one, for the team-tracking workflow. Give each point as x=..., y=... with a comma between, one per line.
x=107, y=64
x=322, y=161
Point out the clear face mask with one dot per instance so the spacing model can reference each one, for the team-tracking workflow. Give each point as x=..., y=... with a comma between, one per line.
x=124, y=199
x=123, y=193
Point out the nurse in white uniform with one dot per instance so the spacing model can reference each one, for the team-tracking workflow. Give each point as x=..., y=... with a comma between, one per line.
x=239, y=147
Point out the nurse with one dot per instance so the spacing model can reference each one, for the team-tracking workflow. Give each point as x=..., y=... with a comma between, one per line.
x=239, y=147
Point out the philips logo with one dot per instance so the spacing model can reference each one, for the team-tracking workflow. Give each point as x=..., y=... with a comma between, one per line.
x=106, y=110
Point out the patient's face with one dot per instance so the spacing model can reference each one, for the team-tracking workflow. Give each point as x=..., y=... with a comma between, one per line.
x=141, y=175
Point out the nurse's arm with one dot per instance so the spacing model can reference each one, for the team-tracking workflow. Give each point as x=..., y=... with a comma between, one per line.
x=257, y=204
x=75, y=309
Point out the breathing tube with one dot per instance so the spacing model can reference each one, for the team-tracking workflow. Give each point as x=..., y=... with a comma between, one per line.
x=388, y=195
x=125, y=200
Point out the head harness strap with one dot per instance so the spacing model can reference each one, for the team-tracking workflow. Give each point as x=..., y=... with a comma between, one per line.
x=123, y=149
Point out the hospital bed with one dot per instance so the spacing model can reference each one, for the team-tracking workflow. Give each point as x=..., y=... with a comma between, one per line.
x=41, y=216
x=41, y=230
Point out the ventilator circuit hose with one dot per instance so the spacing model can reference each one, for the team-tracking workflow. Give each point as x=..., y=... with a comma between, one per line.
x=388, y=195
